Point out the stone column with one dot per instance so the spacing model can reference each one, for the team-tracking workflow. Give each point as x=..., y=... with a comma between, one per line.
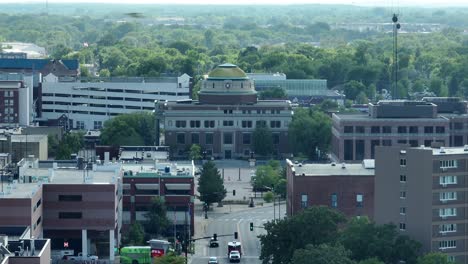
x=84, y=243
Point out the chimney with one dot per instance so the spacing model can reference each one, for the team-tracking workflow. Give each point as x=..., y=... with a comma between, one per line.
x=343, y=165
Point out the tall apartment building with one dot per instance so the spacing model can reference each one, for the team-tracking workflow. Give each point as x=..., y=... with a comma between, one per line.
x=224, y=118
x=87, y=105
x=14, y=99
x=423, y=191
x=443, y=121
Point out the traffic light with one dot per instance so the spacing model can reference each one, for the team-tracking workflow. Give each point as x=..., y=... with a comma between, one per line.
x=251, y=226
x=235, y=235
x=233, y=192
x=215, y=236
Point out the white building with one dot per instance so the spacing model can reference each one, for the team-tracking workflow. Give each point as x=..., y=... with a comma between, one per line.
x=88, y=105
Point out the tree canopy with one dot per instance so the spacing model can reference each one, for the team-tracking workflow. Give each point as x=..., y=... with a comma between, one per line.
x=135, y=129
x=210, y=184
x=262, y=140
x=157, y=217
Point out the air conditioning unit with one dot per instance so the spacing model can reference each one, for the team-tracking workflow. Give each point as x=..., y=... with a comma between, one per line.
x=444, y=169
x=443, y=201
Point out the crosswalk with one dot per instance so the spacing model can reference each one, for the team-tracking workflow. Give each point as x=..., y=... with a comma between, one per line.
x=246, y=219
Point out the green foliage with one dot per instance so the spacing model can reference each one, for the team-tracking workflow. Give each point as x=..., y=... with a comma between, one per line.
x=322, y=254
x=262, y=140
x=266, y=176
x=273, y=93
x=353, y=88
x=434, y=258
x=71, y=143
x=310, y=133
x=133, y=129
x=169, y=258
x=268, y=197
x=210, y=184
x=315, y=226
x=52, y=145
x=157, y=219
x=371, y=261
x=135, y=236
x=195, y=152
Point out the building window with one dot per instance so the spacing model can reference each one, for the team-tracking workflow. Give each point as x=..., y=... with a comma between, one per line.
x=70, y=198
x=458, y=126
x=246, y=138
x=403, y=162
x=70, y=215
x=386, y=129
x=228, y=123
x=413, y=129
x=447, y=244
x=402, y=210
x=348, y=129
x=246, y=124
x=227, y=138
x=195, y=138
x=209, y=139
x=275, y=124
x=80, y=125
x=386, y=142
x=304, y=200
x=359, y=200
x=402, y=178
x=375, y=130
x=209, y=123
x=276, y=138
x=242, y=85
x=334, y=200
x=402, y=226
x=451, y=258
x=440, y=130
x=402, y=195
x=444, y=180
x=260, y=123
x=402, y=130
x=195, y=123
x=447, y=228
x=180, y=138
x=180, y=123
x=448, y=196
x=227, y=111
x=448, y=164
x=444, y=212
x=428, y=130
x=360, y=130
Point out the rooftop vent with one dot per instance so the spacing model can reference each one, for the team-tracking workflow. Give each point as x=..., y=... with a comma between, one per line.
x=333, y=164
x=422, y=146
x=465, y=148
x=343, y=165
x=442, y=150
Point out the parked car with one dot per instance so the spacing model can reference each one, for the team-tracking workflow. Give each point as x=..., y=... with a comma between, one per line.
x=80, y=257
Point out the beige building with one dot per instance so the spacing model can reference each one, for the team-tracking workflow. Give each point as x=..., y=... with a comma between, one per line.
x=21, y=146
x=423, y=191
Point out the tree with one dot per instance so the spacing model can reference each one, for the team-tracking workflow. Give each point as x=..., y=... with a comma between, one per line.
x=315, y=226
x=210, y=185
x=273, y=93
x=136, y=235
x=195, y=152
x=353, y=88
x=70, y=143
x=262, y=140
x=268, y=197
x=434, y=258
x=52, y=145
x=129, y=129
x=157, y=217
x=371, y=261
x=170, y=258
x=322, y=254
x=266, y=176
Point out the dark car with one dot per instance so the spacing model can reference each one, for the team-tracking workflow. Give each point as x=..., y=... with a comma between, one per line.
x=214, y=243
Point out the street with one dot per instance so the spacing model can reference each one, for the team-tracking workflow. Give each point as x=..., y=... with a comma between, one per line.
x=223, y=222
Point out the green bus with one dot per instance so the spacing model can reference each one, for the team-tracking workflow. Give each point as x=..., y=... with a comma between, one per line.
x=135, y=255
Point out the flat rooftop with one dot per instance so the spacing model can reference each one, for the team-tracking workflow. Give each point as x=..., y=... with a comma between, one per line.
x=72, y=176
x=337, y=170
x=366, y=117
x=447, y=150
x=18, y=190
x=179, y=169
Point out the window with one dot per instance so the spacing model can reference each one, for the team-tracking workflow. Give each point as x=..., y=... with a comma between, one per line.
x=195, y=138
x=440, y=129
x=448, y=164
x=246, y=138
x=359, y=200
x=386, y=142
x=227, y=111
x=70, y=215
x=402, y=210
x=428, y=130
x=97, y=125
x=80, y=125
x=413, y=129
x=195, y=123
x=180, y=123
x=260, y=123
x=228, y=123
x=443, y=180
x=448, y=196
x=39, y=202
x=227, y=138
x=386, y=129
x=446, y=228
x=39, y=220
x=275, y=124
x=209, y=123
x=402, y=195
x=276, y=138
x=304, y=200
x=375, y=130
x=246, y=123
x=447, y=244
x=180, y=138
x=402, y=130
x=458, y=126
x=403, y=162
x=360, y=129
x=348, y=129
x=334, y=200
x=402, y=178
x=70, y=198
x=209, y=139
x=402, y=226
x=444, y=212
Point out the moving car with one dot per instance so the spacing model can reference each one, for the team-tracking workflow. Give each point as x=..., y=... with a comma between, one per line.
x=234, y=256
x=214, y=243
x=213, y=260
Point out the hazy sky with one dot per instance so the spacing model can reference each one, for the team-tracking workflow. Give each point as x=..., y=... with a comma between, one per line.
x=387, y=3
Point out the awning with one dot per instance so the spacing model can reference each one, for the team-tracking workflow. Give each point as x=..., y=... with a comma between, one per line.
x=178, y=186
x=148, y=186
x=126, y=186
